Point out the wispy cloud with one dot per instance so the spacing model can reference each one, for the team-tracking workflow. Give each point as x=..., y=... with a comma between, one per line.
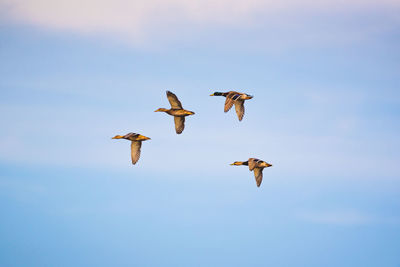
x=141, y=21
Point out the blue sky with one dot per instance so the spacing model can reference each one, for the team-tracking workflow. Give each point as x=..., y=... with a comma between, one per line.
x=325, y=113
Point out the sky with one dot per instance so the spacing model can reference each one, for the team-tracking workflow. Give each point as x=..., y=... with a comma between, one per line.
x=325, y=77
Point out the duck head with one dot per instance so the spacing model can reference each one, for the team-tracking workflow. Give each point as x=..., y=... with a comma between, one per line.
x=217, y=94
x=239, y=163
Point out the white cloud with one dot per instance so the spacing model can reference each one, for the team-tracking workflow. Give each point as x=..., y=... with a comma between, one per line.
x=141, y=21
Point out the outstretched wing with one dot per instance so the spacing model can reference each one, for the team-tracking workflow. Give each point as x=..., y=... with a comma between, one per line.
x=135, y=151
x=130, y=135
x=179, y=124
x=174, y=101
x=239, y=107
x=228, y=104
x=252, y=163
x=231, y=97
x=258, y=175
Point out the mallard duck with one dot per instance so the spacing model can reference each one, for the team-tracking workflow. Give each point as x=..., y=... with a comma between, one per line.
x=236, y=98
x=255, y=165
x=135, y=145
x=177, y=111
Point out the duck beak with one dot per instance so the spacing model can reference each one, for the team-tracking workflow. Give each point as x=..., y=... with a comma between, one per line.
x=212, y=95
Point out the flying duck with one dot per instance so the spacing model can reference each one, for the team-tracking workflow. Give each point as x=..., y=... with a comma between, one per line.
x=255, y=165
x=177, y=111
x=136, y=144
x=236, y=98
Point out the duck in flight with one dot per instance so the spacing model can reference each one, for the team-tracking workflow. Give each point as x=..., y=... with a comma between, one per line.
x=236, y=98
x=177, y=111
x=136, y=144
x=255, y=165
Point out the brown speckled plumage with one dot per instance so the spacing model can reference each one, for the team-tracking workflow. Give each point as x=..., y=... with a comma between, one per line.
x=234, y=98
x=136, y=144
x=255, y=165
x=177, y=111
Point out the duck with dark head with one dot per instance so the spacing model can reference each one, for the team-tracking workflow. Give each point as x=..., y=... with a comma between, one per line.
x=234, y=98
x=255, y=165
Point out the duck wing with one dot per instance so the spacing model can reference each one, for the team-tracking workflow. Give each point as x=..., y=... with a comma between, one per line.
x=174, y=101
x=130, y=136
x=258, y=175
x=252, y=163
x=179, y=124
x=135, y=151
x=231, y=97
x=239, y=107
x=228, y=104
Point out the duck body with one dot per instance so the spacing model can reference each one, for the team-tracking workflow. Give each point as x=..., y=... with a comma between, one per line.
x=255, y=165
x=177, y=111
x=234, y=95
x=136, y=144
x=234, y=98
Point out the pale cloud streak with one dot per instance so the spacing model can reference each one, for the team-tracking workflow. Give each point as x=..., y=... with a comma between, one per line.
x=142, y=21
